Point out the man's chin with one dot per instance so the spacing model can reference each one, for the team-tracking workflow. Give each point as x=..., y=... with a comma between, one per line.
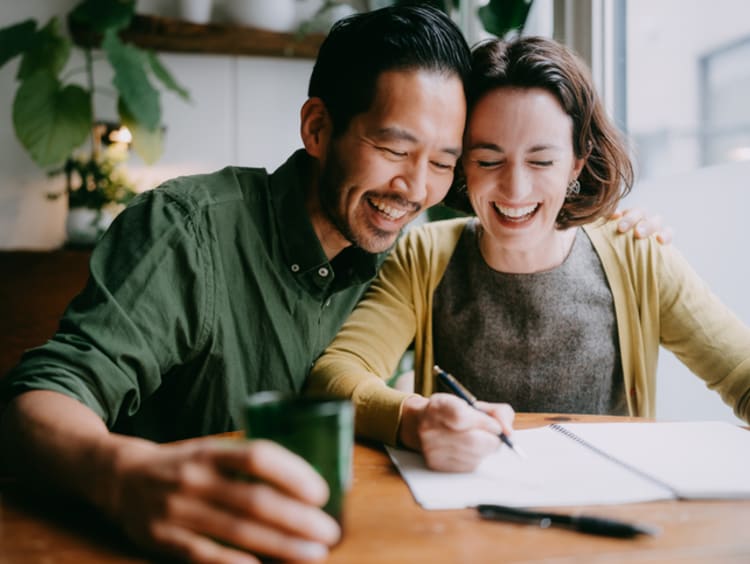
x=377, y=243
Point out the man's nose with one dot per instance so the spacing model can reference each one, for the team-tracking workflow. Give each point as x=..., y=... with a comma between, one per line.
x=412, y=181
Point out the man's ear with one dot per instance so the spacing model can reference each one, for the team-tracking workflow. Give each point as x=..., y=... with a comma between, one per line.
x=315, y=127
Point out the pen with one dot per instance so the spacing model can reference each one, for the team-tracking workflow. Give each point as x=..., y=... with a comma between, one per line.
x=580, y=523
x=457, y=388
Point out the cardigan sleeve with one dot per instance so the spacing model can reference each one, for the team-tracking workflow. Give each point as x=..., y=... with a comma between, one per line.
x=661, y=300
x=395, y=309
x=704, y=333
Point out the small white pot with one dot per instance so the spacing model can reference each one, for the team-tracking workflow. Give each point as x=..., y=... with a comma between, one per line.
x=274, y=15
x=196, y=11
x=84, y=226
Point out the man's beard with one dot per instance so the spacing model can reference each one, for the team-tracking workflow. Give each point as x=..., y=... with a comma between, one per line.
x=331, y=190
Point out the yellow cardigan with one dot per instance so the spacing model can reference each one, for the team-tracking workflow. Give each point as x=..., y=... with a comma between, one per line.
x=658, y=298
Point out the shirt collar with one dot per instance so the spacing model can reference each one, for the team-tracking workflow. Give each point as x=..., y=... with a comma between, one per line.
x=302, y=251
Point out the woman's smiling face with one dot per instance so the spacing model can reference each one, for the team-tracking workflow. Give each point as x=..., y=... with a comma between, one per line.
x=518, y=162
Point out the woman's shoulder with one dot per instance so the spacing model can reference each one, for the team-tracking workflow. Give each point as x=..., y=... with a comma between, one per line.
x=437, y=234
x=429, y=246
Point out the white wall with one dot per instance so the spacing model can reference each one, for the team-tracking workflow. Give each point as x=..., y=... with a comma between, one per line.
x=244, y=110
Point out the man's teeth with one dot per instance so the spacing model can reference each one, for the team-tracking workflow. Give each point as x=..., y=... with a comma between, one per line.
x=390, y=211
x=516, y=213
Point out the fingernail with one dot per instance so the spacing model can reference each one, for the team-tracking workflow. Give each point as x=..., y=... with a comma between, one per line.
x=640, y=229
x=623, y=225
x=310, y=550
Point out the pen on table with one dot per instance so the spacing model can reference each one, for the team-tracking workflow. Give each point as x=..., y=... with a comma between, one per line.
x=581, y=523
x=457, y=388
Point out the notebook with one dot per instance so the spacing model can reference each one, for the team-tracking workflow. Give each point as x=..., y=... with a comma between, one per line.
x=592, y=464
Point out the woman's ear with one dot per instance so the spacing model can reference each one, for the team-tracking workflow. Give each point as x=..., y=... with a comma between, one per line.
x=315, y=127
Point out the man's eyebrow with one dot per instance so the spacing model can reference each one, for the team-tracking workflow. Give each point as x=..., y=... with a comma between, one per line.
x=399, y=134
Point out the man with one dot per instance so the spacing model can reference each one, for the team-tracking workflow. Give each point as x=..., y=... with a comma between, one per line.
x=216, y=286
x=212, y=287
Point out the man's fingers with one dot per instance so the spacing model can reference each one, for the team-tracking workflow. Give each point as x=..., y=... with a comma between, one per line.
x=192, y=547
x=267, y=461
x=209, y=522
x=665, y=235
x=259, y=501
x=628, y=219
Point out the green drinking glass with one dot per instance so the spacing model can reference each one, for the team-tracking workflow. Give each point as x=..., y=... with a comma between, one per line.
x=319, y=429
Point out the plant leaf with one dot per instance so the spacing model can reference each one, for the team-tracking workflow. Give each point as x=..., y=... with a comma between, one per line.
x=131, y=81
x=502, y=16
x=148, y=144
x=103, y=15
x=50, y=50
x=166, y=78
x=16, y=39
x=51, y=121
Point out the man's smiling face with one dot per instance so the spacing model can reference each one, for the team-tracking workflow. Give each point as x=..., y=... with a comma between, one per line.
x=394, y=160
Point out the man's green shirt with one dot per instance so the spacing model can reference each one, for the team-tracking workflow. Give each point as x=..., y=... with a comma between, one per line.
x=203, y=291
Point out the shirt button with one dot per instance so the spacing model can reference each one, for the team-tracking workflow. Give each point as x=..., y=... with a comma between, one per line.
x=295, y=268
x=323, y=272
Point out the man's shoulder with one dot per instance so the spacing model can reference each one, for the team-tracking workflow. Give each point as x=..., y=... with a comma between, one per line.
x=228, y=185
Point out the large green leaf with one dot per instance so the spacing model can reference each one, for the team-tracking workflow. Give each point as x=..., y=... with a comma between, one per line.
x=148, y=144
x=166, y=78
x=50, y=50
x=131, y=81
x=501, y=16
x=50, y=120
x=104, y=15
x=16, y=39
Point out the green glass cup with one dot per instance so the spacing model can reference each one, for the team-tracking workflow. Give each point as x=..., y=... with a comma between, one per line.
x=319, y=429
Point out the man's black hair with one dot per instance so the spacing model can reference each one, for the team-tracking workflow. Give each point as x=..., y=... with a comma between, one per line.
x=362, y=46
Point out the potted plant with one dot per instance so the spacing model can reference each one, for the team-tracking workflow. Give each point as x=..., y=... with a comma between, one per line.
x=54, y=117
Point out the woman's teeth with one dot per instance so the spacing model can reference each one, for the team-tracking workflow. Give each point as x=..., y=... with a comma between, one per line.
x=389, y=211
x=516, y=213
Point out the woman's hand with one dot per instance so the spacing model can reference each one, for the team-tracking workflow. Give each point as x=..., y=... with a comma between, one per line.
x=452, y=435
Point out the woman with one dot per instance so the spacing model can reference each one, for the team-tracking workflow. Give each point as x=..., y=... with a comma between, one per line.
x=534, y=302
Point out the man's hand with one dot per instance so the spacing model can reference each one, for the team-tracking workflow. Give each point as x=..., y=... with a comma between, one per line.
x=202, y=500
x=643, y=226
x=452, y=435
x=211, y=501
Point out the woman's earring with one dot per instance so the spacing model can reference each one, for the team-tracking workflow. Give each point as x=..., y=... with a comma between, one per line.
x=573, y=188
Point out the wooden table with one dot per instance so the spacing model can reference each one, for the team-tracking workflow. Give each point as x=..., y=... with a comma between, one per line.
x=383, y=524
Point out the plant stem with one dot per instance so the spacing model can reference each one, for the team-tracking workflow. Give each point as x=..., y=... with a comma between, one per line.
x=90, y=80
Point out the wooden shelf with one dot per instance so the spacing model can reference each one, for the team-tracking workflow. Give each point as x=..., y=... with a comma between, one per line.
x=166, y=34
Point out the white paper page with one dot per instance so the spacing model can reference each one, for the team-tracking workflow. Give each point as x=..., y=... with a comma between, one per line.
x=557, y=471
x=698, y=459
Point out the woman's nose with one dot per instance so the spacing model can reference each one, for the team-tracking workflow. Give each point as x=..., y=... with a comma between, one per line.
x=515, y=184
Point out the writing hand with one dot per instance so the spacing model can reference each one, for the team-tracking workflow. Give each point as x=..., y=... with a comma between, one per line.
x=453, y=436
x=185, y=500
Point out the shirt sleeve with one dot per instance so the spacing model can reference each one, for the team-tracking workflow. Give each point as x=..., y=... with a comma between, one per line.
x=145, y=309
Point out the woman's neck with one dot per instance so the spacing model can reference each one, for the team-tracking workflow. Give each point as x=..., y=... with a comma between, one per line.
x=546, y=255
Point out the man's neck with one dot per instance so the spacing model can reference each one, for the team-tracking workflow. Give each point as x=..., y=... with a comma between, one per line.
x=331, y=239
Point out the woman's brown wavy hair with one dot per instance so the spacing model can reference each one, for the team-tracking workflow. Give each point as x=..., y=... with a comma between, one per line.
x=537, y=62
